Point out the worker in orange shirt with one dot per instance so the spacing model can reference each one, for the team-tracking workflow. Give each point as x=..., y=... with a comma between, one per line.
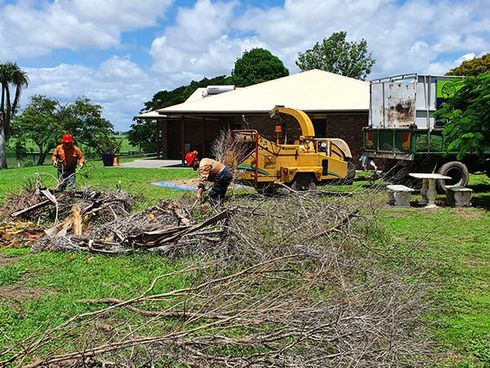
x=65, y=157
x=210, y=171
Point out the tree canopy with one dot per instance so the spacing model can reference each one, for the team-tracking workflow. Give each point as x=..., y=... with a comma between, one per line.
x=472, y=67
x=335, y=54
x=256, y=66
x=45, y=120
x=465, y=116
x=39, y=122
x=11, y=76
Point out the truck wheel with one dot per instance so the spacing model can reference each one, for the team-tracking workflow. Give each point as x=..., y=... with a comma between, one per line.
x=267, y=189
x=304, y=182
x=457, y=171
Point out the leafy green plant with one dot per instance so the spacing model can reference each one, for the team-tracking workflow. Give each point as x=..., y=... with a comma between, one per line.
x=336, y=55
x=465, y=116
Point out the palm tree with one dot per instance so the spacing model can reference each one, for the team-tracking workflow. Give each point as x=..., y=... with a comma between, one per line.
x=10, y=75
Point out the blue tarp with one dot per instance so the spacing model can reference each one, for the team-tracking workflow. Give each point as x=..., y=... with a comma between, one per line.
x=167, y=184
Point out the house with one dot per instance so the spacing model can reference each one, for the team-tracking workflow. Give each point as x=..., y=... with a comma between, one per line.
x=337, y=105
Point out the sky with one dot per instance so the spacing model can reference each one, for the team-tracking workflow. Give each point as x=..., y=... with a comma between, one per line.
x=119, y=53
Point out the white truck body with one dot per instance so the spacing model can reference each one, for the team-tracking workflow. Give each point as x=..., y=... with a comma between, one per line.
x=407, y=101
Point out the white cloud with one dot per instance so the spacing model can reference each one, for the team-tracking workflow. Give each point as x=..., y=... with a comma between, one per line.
x=33, y=28
x=118, y=84
x=200, y=43
x=411, y=37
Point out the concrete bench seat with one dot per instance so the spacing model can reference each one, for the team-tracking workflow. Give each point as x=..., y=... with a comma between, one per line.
x=459, y=196
x=399, y=195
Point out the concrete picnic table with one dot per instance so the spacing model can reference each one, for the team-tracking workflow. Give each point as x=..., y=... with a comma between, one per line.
x=428, y=190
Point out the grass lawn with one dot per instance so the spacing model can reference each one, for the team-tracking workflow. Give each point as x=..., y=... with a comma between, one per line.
x=452, y=256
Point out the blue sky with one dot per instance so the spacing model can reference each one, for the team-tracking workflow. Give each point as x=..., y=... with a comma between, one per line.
x=121, y=52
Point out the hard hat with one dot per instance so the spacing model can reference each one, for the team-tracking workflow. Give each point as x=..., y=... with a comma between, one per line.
x=190, y=157
x=67, y=139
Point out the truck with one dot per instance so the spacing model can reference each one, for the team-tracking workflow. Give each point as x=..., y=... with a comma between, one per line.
x=302, y=165
x=405, y=134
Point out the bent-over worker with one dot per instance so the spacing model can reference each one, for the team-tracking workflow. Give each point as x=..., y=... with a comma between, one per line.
x=210, y=171
x=65, y=157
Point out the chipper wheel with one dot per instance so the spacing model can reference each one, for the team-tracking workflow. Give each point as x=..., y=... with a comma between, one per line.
x=304, y=181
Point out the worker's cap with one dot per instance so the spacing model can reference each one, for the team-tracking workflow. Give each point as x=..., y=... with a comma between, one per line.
x=67, y=138
x=190, y=157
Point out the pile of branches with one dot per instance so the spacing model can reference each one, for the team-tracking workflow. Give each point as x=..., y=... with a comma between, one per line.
x=292, y=281
x=167, y=228
x=48, y=207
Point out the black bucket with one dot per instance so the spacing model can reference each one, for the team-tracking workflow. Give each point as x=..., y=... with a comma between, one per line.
x=108, y=159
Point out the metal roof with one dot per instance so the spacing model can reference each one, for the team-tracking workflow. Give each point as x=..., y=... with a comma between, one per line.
x=312, y=91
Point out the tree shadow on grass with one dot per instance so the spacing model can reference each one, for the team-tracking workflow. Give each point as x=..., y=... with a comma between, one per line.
x=481, y=198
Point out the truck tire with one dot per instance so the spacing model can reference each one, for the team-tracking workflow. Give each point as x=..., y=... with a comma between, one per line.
x=304, y=181
x=457, y=171
x=267, y=189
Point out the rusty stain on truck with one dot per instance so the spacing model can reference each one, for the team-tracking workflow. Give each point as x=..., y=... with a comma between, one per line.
x=400, y=114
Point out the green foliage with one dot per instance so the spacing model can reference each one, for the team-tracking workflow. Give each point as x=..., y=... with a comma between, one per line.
x=44, y=121
x=336, y=55
x=472, y=67
x=40, y=123
x=256, y=66
x=84, y=121
x=465, y=116
x=143, y=134
x=143, y=131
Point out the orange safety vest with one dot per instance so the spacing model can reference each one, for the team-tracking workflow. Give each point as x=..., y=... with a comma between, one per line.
x=68, y=157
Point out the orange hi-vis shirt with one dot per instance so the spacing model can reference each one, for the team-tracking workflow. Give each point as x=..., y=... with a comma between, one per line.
x=208, y=169
x=69, y=157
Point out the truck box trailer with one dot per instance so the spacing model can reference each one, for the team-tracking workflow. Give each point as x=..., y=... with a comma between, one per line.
x=406, y=134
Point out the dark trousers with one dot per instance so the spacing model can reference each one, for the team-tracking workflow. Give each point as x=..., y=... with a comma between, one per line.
x=66, y=176
x=221, y=183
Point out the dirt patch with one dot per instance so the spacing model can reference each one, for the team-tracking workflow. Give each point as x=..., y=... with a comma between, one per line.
x=19, y=293
x=7, y=260
x=469, y=213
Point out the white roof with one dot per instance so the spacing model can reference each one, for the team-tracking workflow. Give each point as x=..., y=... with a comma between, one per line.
x=197, y=95
x=311, y=91
x=150, y=115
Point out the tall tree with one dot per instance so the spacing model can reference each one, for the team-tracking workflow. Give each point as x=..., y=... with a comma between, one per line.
x=85, y=122
x=11, y=76
x=256, y=66
x=465, y=116
x=472, y=67
x=335, y=54
x=39, y=122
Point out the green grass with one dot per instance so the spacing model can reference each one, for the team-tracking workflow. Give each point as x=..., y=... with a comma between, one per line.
x=449, y=249
x=58, y=280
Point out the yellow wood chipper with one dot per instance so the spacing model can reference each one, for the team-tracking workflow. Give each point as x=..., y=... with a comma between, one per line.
x=307, y=162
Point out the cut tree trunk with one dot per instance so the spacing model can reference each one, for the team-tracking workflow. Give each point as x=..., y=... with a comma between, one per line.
x=3, y=157
x=42, y=158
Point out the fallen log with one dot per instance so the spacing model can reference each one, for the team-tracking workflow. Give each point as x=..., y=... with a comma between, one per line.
x=31, y=208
